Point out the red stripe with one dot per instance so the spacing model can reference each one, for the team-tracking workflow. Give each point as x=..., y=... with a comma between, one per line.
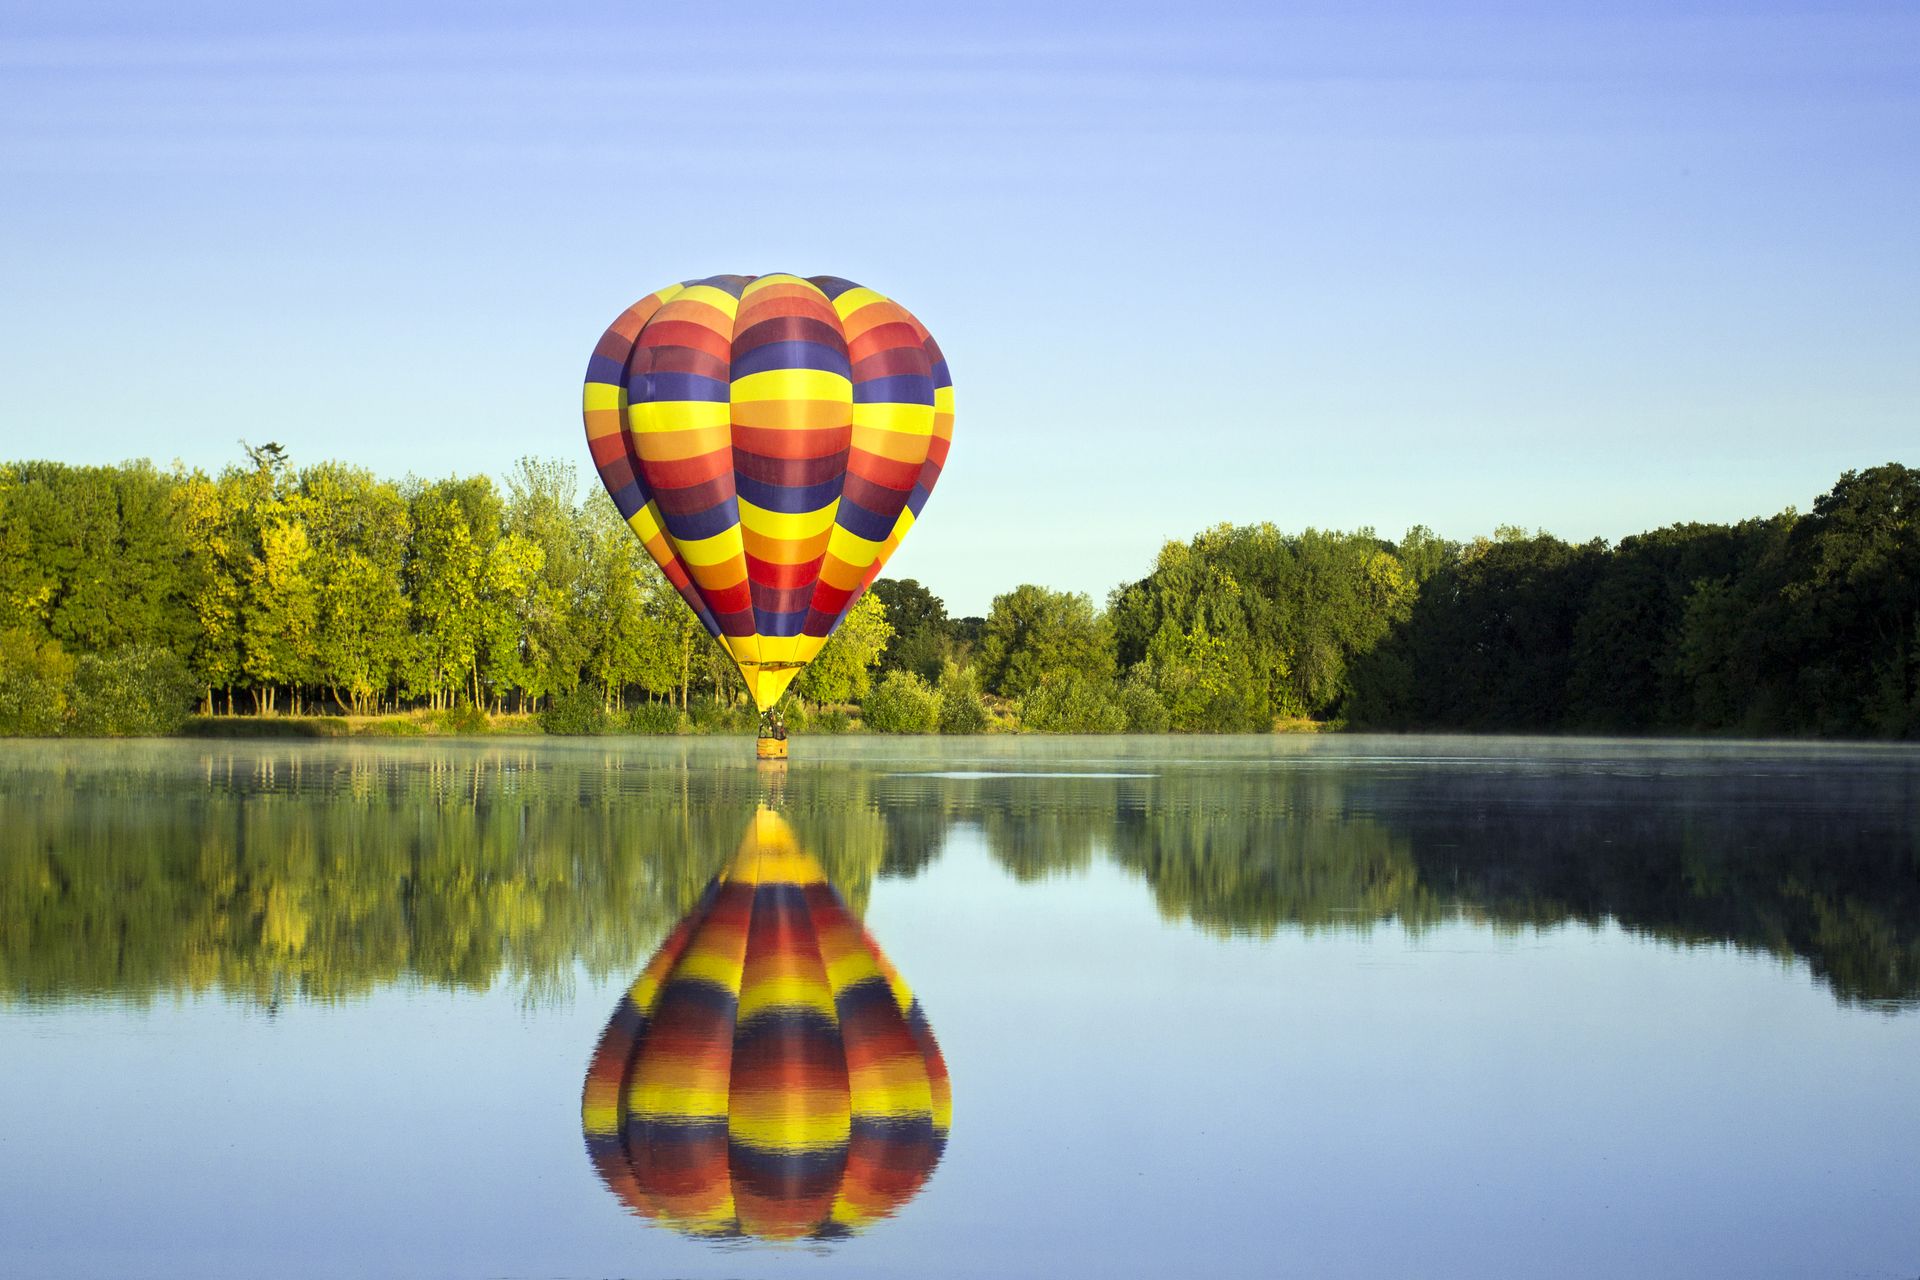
x=781, y=577
x=892, y=362
x=685, y=333
x=694, y=498
x=683, y=360
x=777, y=442
x=771, y=599
x=889, y=473
x=678, y=473
x=894, y=333
x=609, y=449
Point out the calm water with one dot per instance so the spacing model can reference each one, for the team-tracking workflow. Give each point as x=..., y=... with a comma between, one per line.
x=1329, y=1007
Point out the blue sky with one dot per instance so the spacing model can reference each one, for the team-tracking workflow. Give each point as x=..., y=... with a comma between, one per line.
x=1587, y=267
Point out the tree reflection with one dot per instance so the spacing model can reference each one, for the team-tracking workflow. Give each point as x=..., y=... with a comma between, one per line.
x=133, y=871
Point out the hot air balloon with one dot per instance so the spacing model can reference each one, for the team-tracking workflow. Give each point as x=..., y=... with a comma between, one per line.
x=770, y=439
x=768, y=1074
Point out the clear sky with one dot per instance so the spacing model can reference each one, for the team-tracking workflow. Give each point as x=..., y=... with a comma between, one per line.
x=1593, y=267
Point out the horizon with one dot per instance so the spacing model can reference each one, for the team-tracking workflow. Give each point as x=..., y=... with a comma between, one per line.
x=1595, y=272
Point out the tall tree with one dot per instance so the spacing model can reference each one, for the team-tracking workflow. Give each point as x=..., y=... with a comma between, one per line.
x=920, y=642
x=277, y=638
x=1032, y=633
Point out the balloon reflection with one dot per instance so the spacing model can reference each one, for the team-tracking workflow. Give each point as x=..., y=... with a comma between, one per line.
x=768, y=1074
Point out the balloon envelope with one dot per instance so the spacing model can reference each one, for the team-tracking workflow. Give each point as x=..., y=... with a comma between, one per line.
x=768, y=1074
x=770, y=439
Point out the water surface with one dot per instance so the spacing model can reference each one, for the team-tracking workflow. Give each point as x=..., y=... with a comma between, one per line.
x=1322, y=1006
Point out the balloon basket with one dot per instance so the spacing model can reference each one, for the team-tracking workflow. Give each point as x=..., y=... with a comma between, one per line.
x=770, y=748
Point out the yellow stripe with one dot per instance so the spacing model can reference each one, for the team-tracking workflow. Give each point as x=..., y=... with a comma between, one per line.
x=943, y=399
x=787, y=526
x=785, y=991
x=791, y=384
x=601, y=395
x=767, y=686
x=854, y=299
x=600, y=1118
x=851, y=549
x=782, y=1121
x=722, y=969
x=911, y=419
x=674, y=1099
x=650, y=416
x=850, y=966
x=847, y=1214
x=719, y=1221
x=775, y=865
x=719, y=299
x=745, y=649
x=704, y=553
x=778, y=648
x=897, y=1087
x=646, y=522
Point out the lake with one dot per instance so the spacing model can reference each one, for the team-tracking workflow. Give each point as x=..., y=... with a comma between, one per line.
x=1325, y=1006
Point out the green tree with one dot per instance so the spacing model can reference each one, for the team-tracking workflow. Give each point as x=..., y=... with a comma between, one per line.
x=542, y=508
x=455, y=524
x=1070, y=701
x=962, y=709
x=36, y=684
x=1033, y=634
x=93, y=555
x=511, y=593
x=136, y=689
x=360, y=533
x=843, y=670
x=920, y=642
x=901, y=703
x=631, y=637
x=278, y=635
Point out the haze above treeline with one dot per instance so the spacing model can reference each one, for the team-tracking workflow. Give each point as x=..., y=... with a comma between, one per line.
x=127, y=593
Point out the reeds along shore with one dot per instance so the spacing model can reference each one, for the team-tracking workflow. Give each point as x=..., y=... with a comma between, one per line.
x=131, y=596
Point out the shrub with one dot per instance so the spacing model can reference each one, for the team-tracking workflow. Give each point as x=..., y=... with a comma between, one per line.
x=1141, y=705
x=734, y=718
x=962, y=710
x=577, y=711
x=138, y=689
x=1071, y=702
x=36, y=685
x=391, y=727
x=656, y=717
x=901, y=703
x=462, y=718
x=821, y=720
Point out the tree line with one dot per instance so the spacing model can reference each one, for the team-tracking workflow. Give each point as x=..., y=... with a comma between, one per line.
x=125, y=591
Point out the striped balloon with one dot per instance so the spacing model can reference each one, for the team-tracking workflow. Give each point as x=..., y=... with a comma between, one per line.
x=771, y=439
x=768, y=1074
